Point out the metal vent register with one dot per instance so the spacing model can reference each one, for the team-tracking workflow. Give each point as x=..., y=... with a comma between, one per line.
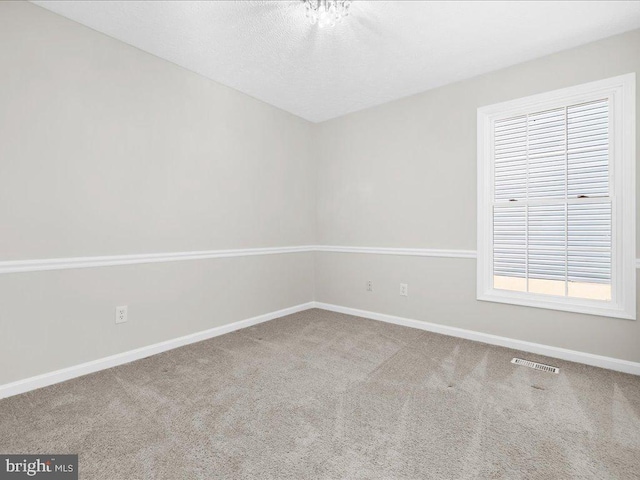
x=535, y=365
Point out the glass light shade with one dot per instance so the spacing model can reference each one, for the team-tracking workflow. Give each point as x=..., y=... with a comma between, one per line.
x=326, y=13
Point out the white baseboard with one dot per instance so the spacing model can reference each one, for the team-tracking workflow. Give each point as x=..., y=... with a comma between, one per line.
x=39, y=381
x=555, y=352
x=46, y=379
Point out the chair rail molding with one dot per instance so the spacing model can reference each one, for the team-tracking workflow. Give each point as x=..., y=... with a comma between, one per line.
x=415, y=252
x=17, y=266
x=38, y=265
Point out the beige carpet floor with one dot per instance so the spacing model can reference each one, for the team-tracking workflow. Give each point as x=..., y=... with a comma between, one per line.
x=320, y=395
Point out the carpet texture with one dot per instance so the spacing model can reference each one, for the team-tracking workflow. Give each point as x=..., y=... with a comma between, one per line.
x=320, y=395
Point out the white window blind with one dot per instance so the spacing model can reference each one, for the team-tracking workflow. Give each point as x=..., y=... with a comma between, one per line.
x=556, y=199
x=552, y=212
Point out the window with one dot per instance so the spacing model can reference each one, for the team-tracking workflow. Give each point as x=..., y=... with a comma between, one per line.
x=556, y=200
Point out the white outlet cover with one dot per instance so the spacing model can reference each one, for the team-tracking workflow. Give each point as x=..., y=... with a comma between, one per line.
x=404, y=289
x=121, y=314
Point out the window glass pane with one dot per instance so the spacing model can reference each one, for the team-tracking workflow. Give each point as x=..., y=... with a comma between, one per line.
x=547, y=154
x=510, y=151
x=588, y=149
x=509, y=247
x=547, y=249
x=589, y=250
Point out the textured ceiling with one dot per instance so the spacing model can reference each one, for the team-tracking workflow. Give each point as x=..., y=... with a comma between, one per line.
x=385, y=50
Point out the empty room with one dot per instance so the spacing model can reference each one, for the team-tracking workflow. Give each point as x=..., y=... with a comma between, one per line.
x=319, y=239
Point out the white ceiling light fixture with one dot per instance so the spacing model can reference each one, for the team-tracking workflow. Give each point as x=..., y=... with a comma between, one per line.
x=326, y=13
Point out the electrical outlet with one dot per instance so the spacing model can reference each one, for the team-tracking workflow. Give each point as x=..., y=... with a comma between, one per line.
x=404, y=289
x=121, y=314
x=369, y=286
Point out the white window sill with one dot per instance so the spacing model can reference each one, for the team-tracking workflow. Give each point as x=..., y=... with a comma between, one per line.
x=589, y=307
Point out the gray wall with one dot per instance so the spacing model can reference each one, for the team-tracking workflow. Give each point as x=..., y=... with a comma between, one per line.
x=109, y=150
x=404, y=175
x=105, y=149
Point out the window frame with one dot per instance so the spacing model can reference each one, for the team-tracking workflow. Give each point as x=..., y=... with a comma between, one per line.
x=620, y=91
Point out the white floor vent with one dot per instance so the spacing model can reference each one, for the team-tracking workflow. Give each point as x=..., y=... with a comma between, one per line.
x=537, y=366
